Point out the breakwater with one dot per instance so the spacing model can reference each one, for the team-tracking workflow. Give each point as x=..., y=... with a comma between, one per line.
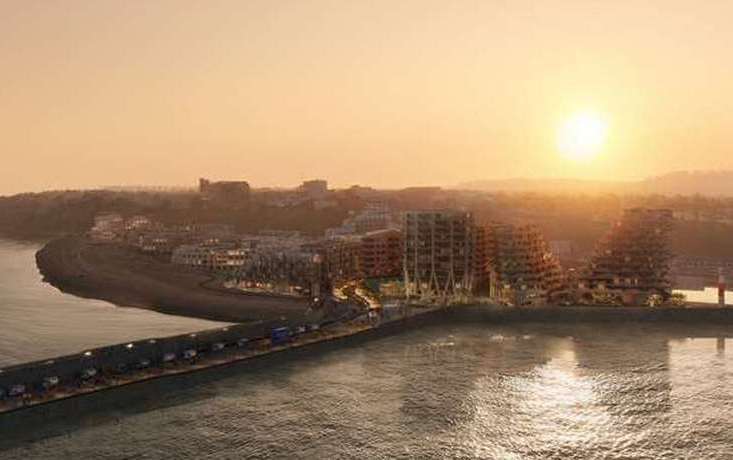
x=590, y=314
x=112, y=366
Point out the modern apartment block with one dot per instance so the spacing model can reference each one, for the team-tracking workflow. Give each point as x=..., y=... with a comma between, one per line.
x=381, y=254
x=632, y=261
x=438, y=261
x=516, y=266
x=375, y=254
x=293, y=273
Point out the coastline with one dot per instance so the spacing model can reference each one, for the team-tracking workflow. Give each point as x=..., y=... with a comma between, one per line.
x=119, y=275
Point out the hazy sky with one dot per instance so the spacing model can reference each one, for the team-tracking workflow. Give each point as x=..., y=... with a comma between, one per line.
x=386, y=93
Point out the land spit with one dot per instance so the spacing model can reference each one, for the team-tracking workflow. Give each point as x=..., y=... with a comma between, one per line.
x=119, y=274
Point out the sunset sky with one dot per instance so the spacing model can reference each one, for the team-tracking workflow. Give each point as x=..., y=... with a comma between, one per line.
x=383, y=93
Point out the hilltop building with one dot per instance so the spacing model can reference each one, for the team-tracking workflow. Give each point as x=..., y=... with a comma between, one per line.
x=632, y=262
x=315, y=189
x=438, y=261
x=225, y=192
x=107, y=226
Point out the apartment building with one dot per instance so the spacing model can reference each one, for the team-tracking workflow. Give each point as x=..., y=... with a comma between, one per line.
x=516, y=266
x=438, y=261
x=632, y=261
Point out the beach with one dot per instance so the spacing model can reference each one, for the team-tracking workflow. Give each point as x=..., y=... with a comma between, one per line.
x=121, y=275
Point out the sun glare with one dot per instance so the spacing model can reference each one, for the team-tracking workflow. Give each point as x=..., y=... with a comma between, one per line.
x=582, y=136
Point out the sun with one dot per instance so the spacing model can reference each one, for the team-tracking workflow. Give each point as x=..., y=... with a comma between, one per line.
x=582, y=136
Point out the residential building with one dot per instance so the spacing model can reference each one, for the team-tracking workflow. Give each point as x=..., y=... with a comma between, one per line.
x=381, y=254
x=107, y=227
x=632, y=262
x=214, y=257
x=516, y=266
x=438, y=260
x=375, y=254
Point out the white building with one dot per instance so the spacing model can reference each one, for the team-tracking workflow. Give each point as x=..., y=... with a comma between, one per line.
x=107, y=227
x=210, y=257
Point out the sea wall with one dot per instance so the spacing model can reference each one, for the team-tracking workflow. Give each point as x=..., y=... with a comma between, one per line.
x=108, y=359
x=589, y=314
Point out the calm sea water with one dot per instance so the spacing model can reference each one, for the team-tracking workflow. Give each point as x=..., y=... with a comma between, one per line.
x=460, y=391
x=532, y=391
x=37, y=321
x=706, y=295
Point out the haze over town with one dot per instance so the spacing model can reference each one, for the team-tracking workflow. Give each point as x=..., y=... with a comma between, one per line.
x=418, y=93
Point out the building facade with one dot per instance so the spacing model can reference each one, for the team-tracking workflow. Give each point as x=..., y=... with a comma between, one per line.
x=631, y=262
x=516, y=266
x=210, y=257
x=438, y=259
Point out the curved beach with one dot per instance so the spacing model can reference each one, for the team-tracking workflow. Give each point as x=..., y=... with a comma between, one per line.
x=120, y=275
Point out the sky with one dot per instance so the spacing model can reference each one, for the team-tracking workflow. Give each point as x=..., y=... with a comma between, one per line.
x=386, y=93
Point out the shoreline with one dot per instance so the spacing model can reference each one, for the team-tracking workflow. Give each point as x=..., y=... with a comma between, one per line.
x=121, y=276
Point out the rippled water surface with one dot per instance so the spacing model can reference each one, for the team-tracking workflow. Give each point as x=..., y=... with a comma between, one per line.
x=469, y=391
x=37, y=321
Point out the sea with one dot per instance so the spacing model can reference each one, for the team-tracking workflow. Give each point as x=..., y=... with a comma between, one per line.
x=468, y=390
x=37, y=321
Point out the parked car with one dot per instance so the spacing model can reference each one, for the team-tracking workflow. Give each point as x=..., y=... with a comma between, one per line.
x=16, y=390
x=50, y=382
x=88, y=373
x=280, y=336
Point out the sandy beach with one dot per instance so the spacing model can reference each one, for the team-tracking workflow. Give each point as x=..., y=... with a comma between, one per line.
x=121, y=275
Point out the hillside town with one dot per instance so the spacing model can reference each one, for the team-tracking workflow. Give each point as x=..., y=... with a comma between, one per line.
x=431, y=256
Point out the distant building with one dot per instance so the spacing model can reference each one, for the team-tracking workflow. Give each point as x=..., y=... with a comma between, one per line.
x=438, y=260
x=107, y=227
x=315, y=189
x=232, y=193
x=374, y=216
x=215, y=257
x=562, y=249
x=137, y=223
